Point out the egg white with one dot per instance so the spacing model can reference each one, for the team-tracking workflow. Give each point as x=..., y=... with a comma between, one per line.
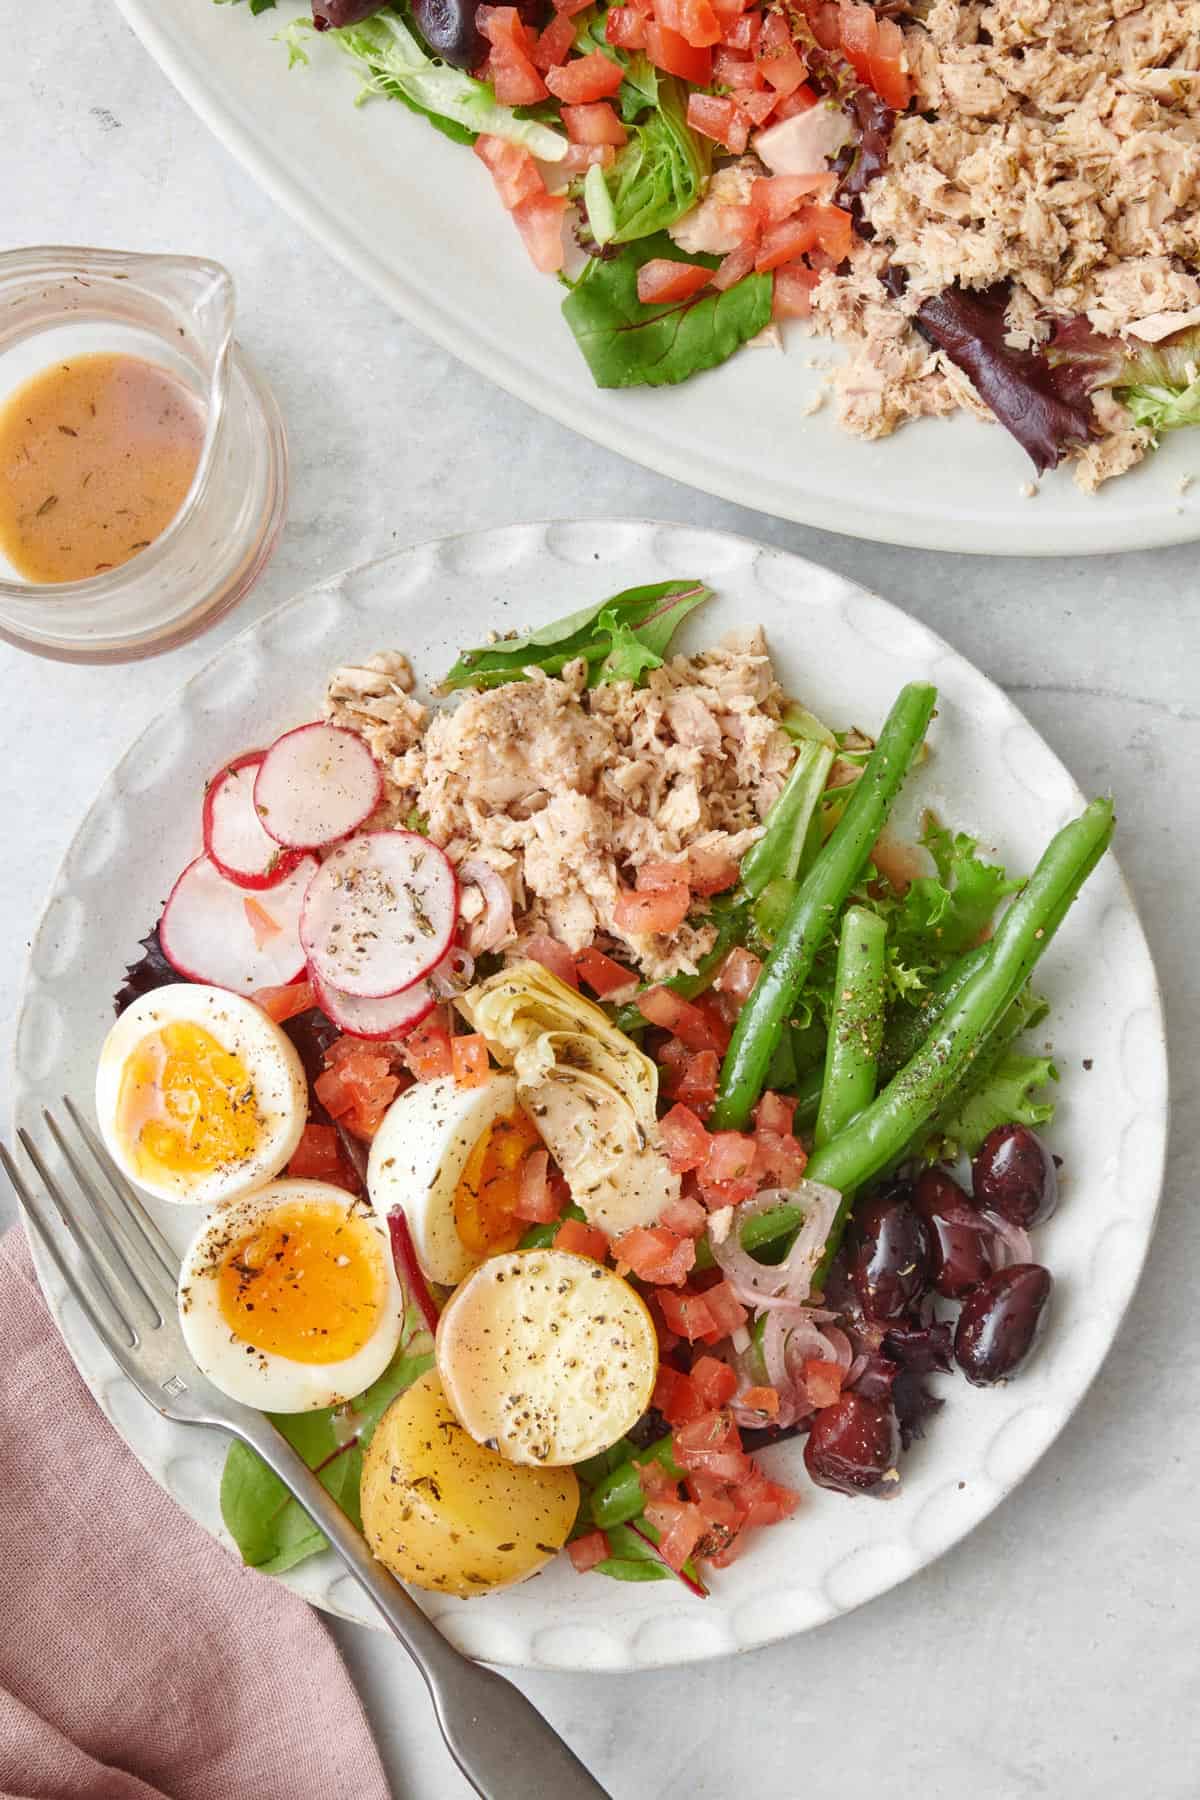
x=417, y=1157
x=264, y=1378
x=270, y=1060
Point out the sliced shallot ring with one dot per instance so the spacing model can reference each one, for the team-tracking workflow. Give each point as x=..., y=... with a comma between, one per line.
x=379, y=914
x=766, y=1285
x=215, y=932
x=316, y=785
x=392, y=1016
x=234, y=837
x=495, y=923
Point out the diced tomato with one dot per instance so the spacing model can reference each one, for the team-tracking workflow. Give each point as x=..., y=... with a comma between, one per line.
x=725, y=1310
x=662, y=280
x=469, y=1060
x=735, y=267
x=555, y=43
x=791, y=104
x=668, y=50
x=553, y=956
x=744, y=31
x=822, y=1381
x=760, y=106
x=694, y=20
x=778, y=59
x=655, y=1254
x=318, y=1155
x=762, y=1501
x=595, y=124
x=684, y=1139
x=687, y=1314
x=734, y=71
x=697, y=1026
x=510, y=65
x=536, y=1200
x=263, y=924
x=721, y=1516
x=654, y=1480
x=582, y=1239
x=792, y=297
x=580, y=157
x=732, y=1156
x=834, y=228
x=761, y=1399
x=357, y=1086
x=658, y=875
x=540, y=223
x=721, y=119
x=660, y=911
x=680, y=1527
x=696, y=1085
x=512, y=169
x=728, y=12
x=601, y=973
x=586, y=1551
x=774, y=1112
x=714, y=1381
x=685, y=1216
x=739, y=972
x=280, y=1003
x=591, y=77
x=570, y=7
x=781, y=1159
x=783, y=242
x=779, y=196
x=712, y=1444
x=427, y=1050
x=885, y=67
x=856, y=26
x=711, y=871
x=675, y=1397
x=625, y=27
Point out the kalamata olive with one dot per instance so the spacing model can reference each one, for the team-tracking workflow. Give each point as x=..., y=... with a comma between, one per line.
x=331, y=14
x=890, y=1268
x=854, y=1446
x=999, y=1322
x=448, y=28
x=1014, y=1174
x=959, y=1243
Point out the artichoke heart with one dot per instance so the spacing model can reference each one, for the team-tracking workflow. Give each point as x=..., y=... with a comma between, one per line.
x=588, y=1088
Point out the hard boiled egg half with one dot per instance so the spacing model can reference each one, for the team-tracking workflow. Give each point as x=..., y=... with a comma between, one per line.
x=450, y=1157
x=200, y=1096
x=288, y=1297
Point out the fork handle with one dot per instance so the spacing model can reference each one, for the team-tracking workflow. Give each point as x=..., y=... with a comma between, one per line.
x=500, y=1741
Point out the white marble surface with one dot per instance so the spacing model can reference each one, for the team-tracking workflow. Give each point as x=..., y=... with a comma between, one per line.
x=1053, y=1653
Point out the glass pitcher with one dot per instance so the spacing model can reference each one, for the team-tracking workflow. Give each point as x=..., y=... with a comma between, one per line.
x=177, y=312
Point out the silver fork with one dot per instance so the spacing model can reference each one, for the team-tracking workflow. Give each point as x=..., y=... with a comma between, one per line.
x=125, y=1283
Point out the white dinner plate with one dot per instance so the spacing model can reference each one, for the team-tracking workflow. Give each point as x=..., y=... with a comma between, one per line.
x=846, y=654
x=417, y=218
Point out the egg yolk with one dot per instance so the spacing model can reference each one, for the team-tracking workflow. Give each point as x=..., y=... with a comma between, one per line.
x=186, y=1104
x=306, y=1283
x=486, y=1196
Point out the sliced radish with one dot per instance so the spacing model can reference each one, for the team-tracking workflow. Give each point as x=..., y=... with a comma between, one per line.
x=316, y=784
x=379, y=913
x=390, y=1017
x=213, y=931
x=233, y=834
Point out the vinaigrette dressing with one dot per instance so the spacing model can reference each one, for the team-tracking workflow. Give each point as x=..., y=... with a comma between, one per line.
x=97, y=454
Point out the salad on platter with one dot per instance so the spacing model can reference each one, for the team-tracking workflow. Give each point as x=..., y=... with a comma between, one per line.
x=992, y=210
x=588, y=1090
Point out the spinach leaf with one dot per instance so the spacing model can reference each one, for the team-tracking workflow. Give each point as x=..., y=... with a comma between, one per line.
x=272, y=1531
x=627, y=344
x=600, y=634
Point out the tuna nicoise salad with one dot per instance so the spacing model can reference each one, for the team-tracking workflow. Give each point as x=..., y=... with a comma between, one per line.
x=993, y=207
x=587, y=1094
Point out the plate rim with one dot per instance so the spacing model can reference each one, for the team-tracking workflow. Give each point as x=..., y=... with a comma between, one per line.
x=1100, y=532
x=303, y=1580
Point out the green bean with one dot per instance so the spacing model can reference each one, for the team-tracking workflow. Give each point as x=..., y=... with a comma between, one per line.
x=772, y=907
x=907, y=1030
x=767, y=1227
x=808, y=1097
x=822, y=895
x=620, y=1496
x=776, y=854
x=856, y=1027
x=880, y=1134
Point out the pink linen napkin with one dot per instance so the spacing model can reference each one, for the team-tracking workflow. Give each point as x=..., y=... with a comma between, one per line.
x=138, y=1659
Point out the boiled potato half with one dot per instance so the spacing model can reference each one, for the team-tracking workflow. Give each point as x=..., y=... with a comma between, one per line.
x=442, y=1512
